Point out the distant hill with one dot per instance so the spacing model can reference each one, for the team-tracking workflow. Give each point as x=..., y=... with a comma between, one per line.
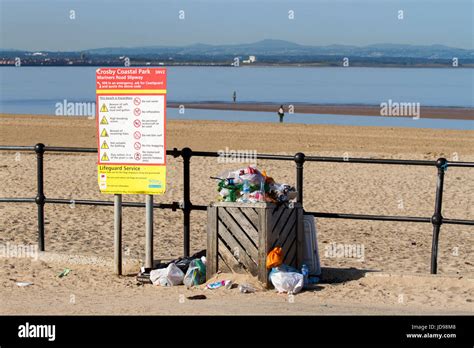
x=269, y=51
x=271, y=47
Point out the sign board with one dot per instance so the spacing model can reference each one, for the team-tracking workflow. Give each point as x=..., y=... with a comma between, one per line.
x=131, y=126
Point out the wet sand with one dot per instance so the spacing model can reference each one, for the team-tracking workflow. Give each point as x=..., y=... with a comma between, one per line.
x=356, y=110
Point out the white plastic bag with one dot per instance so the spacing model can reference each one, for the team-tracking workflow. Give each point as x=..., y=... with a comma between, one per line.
x=168, y=276
x=290, y=282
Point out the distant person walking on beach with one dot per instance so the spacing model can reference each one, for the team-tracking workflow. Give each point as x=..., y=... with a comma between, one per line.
x=281, y=113
x=234, y=96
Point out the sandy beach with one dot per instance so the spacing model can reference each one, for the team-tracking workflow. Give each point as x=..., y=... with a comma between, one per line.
x=392, y=278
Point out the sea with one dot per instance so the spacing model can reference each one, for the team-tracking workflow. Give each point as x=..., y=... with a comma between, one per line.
x=39, y=90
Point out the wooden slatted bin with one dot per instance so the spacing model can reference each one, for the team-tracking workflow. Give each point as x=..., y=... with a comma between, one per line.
x=240, y=235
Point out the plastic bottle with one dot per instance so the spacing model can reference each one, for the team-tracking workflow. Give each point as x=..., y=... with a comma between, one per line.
x=262, y=190
x=305, y=272
x=245, y=191
x=246, y=288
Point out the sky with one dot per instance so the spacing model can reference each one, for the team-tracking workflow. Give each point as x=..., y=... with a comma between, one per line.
x=49, y=24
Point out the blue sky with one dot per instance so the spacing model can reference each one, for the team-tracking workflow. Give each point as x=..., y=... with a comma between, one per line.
x=46, y=24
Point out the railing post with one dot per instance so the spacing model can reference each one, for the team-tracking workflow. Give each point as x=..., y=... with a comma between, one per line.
x=299, y=160
x=149, y=259
x=40, y=198
x=186, y=153
x=437, y=218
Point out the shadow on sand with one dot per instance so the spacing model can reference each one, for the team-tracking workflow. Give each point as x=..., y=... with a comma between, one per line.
x=342, y=275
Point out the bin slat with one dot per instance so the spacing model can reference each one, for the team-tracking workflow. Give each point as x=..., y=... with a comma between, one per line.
x=238, y=253
x=244, y=223
x=289, y=230
x=239, y=234
x=229, y=258
x=277, y=227
x=223, y=266
x=252, y=215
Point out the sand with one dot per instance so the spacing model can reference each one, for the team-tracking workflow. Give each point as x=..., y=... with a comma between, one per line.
x=396, y=255
x=355, y=110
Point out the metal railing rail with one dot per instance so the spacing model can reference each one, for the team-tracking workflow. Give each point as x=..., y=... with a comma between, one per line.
x=186, y=206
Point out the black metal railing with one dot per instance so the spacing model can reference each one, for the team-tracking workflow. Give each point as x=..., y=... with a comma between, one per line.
x=186, y=205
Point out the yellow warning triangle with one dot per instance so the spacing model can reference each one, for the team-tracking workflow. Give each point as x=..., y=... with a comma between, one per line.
x=104, y=145
x=104, y=108
x=104, y=120
x=104, y=133
x=104, y=157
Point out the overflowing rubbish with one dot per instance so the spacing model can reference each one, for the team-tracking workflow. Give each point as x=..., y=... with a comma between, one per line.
x=64, y=273
x=196, y=273
x=274, y=258
x=216, y=285
x=284, y=281
x=249, y=185
x=246, y=288
x=169, y=276
x=24, y=284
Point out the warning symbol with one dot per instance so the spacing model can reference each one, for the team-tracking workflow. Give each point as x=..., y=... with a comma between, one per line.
x=104, y=133
x=104, y=108
x=104, y=145
x=104, y=120
x=104, y=157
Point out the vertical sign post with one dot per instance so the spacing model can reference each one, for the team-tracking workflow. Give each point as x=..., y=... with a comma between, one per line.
x=131, y=142
x=118, y=234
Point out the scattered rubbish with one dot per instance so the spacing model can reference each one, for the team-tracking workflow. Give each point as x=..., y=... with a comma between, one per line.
x=275, y=258
x=183, y=262
x=169, y=276
x=144, y=277
x=314, y=280
x=286, y=281
x=249, y=185
x=23, y=284
x=196, y=273
x=226, y=283
x=64, y=273
x=246, y=288
x=197, y=297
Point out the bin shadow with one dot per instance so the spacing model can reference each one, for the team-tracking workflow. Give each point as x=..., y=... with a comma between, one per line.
x=342, y=275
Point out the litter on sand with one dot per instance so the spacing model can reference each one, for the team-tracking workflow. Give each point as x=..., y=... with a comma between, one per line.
x=64, y=273
x=23, y=284
x=246, y=289
x=215, y=285
x=197, y=297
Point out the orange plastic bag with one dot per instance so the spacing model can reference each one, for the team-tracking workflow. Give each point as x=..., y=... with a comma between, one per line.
x=275, y=258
